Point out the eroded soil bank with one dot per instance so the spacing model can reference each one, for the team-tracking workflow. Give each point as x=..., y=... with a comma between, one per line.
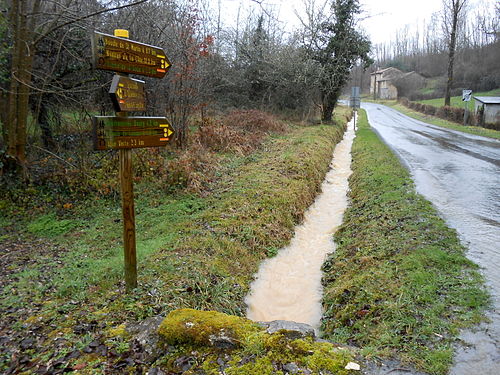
x=288, y=286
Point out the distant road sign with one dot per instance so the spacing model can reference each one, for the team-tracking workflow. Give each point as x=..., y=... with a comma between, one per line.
x=127, y=94
x=355, y=102
x=126, y=56
x=111, y=132
x=466, y=95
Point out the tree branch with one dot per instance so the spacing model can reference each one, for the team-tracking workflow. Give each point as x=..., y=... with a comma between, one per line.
x=37, y=40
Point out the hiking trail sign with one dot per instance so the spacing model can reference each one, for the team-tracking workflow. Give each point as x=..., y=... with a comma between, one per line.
x=126, y=56
x=118, y=54
x=127, y=94
x=115, y=132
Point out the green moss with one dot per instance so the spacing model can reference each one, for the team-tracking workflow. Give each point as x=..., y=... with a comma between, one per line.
x=119, y=331
x=327, y=357
x=261, y=366
x=281, y=349
x=258, y=352
x=188, y=326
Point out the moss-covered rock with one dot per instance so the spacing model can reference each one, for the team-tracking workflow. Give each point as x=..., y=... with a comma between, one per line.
x=212, y=342
x=210, y=328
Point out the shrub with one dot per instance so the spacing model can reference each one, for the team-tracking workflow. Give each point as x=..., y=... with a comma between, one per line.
x=494, y=126
x=213, y=135
x=254, y=121
x=190, y=169
x=404, y=101
x=240, y=131
x=456, y=114
x=219, y=137
x=443, y=112
x=429, y=109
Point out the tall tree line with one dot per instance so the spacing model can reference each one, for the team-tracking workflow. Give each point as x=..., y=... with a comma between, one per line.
x=45, y=60
x=426, y=47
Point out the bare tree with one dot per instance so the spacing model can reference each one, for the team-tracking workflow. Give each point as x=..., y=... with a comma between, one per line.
x=30, y=22
x=452, y=11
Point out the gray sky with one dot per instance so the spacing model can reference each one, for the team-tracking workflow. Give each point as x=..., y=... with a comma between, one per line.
x=382, y=17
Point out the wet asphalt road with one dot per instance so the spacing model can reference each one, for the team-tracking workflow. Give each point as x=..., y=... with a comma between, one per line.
x=460, y=174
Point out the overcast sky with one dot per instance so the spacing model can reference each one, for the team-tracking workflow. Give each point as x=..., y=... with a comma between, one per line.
x=382, y=17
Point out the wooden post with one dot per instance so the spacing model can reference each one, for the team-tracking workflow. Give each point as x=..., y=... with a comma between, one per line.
x=466, y=112
x=123, y=132
x=128, y=211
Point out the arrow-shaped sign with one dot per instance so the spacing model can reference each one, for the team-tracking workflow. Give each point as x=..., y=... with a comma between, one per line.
x=126, y=56
x=112, y=132
x=127, y=94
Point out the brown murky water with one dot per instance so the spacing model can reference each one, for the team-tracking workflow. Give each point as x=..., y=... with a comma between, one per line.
x=288, y=286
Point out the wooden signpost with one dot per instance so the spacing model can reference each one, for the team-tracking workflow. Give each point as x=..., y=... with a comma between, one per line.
x=127, y=94
x=116, y=132
x=118, y=54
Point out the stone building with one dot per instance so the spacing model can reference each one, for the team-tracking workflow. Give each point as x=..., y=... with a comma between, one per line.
x=381, y=83
x=390, y=83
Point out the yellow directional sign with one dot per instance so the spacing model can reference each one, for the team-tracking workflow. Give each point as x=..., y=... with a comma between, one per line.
x=113, y=132
x=167, y=132
x=126, y=56
x=127, y=94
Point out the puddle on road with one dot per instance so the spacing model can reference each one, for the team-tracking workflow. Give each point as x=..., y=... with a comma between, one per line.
x=288, y=286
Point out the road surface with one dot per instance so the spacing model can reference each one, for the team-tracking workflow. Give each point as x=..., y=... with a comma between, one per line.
x=460, y=174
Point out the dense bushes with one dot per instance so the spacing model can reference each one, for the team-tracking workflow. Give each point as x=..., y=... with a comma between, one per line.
x=239, y=132
x=75, y=172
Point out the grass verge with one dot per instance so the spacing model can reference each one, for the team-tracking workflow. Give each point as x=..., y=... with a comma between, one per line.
x=476, y=130
x=456, y=101
x=399, y=282
x=193, y=251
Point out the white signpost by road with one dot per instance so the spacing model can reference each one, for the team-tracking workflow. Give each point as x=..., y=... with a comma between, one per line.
x=466, y=95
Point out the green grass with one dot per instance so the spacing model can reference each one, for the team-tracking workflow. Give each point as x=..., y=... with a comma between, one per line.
x=193, y=251
x=476, y=130
x=456, y=101
x=50, y=226
x=399, y=282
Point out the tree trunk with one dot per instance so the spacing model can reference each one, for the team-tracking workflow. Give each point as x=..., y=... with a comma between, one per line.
x=45, y=127
x=14, y=84
x=329, y=103
x=455, y=7
x=4, y=105
x=451, y=60
x=327, y=112
x=20, y=80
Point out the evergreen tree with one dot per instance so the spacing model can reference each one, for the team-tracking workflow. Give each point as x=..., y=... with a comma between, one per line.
x=337, y=48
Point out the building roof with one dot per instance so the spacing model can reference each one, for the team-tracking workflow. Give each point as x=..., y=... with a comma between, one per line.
x=385, y=70
x=488, y=99
x=388, y=74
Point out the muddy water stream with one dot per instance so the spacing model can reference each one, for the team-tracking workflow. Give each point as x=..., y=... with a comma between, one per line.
x=288, y=286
